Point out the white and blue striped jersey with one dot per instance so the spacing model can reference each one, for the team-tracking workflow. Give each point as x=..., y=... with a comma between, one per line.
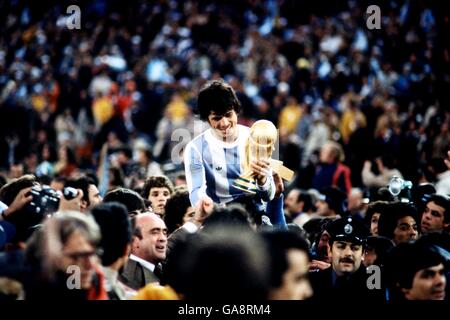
x=212, y=165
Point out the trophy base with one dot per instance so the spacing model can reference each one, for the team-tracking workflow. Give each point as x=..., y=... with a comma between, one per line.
x=245, y=185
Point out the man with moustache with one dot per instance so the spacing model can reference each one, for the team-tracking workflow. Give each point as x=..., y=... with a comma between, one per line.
x=346, y=279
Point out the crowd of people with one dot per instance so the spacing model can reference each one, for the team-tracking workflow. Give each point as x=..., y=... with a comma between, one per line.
x=122, y=141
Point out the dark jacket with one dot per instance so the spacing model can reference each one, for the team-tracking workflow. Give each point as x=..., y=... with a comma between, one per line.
x=135, y=276
x=353, y=287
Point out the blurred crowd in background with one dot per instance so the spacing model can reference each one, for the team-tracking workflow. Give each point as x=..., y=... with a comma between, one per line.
x=99, y=106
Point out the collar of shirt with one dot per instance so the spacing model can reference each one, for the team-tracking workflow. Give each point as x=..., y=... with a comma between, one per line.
x=148, y=265
x=112, y=284
x=110, y=278
x=243, y=133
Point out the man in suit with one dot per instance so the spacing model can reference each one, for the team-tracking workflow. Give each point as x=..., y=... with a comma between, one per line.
x=148, y=249
x=347, y=277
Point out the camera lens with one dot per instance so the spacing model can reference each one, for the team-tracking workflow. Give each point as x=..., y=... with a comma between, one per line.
x=70, y=193
x=395, y=185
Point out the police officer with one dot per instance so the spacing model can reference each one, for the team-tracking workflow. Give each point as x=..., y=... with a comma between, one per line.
x=347, y=276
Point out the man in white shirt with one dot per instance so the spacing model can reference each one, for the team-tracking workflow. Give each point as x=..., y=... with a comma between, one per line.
x=213, y=159
x=148, y=249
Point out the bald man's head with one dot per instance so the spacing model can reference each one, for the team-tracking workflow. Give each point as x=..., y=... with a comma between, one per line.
x=150, y=238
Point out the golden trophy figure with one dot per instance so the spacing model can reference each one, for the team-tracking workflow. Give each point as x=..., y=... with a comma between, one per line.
x=260, y=145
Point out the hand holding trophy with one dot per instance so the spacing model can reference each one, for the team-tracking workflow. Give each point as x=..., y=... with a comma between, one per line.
x=257, y=161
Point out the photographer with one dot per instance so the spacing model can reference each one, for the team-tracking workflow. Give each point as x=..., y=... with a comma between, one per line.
x=90, y=194
x=16, y=195
x=26, y=210
x=19, y=202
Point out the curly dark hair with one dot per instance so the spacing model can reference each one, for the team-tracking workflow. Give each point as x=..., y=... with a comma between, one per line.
x=217, y=96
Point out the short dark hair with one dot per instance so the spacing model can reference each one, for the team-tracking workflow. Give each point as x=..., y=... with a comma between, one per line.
x=279, y=242
x=131, y=199
x=307, y=200
x=442, y=201
x=115, y=228
x=227, y=262
x=156, y=182
x=217, y=96
x=175, y=210
x=232, y=215
x=381, y=246
x=406, y=259
x=82, y=183
x=372, y=208
x=393, y=212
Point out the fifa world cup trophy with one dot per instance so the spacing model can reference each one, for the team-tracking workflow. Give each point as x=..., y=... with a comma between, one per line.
x=260, y=145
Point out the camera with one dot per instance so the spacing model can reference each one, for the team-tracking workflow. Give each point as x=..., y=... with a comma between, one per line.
x=397, y=185
x=70, y=193
x=45, y=200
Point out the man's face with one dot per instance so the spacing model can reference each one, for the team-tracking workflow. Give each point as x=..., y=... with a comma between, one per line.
x=158, y=198
x=428, y=284
x=94, y=196
x=189, y=215
x=374, y=223
x=346, y=257
x=295, y=283
x=78, y=251
x=406, y=230
x=323, y=209
x=291, y=204
x=327, y=154
x=224, y=126
x=153, y=245
x=433, y=218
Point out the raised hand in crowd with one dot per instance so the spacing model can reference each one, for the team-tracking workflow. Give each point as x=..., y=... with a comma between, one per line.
x=203, y=210
x=318, y=265
x=22, y=198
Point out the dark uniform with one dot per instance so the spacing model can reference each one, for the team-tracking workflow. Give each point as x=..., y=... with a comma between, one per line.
x=328, y=286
